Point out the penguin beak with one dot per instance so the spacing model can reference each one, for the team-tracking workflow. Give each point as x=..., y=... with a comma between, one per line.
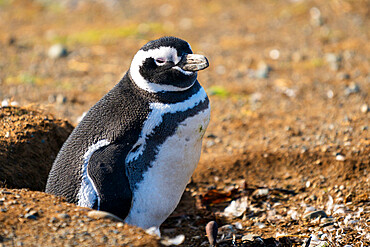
x=193, y=62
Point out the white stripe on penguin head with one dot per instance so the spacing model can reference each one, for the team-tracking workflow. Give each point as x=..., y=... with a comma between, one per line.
x=170, y=54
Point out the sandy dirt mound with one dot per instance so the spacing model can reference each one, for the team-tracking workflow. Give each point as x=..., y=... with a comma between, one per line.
x=40, y=219
x=29, y=143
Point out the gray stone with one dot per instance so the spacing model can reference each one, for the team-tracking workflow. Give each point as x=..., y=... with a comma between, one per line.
x=63, y=216
x=315, y=214
x=30, y=216
x=352, y=88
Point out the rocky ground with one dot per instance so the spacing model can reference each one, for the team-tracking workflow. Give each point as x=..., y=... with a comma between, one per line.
x=285, y=159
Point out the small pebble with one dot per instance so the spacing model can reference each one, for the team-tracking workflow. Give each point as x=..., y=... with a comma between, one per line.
x=365, y=108
x=260, y=225
x=293, y=214
x=173, y=241
x=340, y=157
x=30, y=216
x=297, y=57
x=34, y=212
x=332, y=57
x=5, y=103
x=330, y=94
x=226, y=230
x=6, y=193
x=154, y=231
x=236, y=208
x=327, y=222
x=343, y=76
x=52, y=98
x=339, y=211
x=352, y=88
x=53, y=220
x=308, y=184
x=313, y=197
x=315, y=214
x=255, y=98
x=95, y=214
x=210, y=143
x=57, y=51
x=274, y=54
x=63, y=216
x=304, y=149
x=238, y=225
x=316, y=18
x=261, y=192
x=61, y=99
x=249, y=237
x=333, y=60
x=211, y=231
x=262, y=71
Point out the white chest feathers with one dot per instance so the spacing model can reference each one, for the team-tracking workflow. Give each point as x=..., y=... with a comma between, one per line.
x=158, y=193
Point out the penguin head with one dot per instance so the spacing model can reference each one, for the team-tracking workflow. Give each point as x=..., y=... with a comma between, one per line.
x=166, y=65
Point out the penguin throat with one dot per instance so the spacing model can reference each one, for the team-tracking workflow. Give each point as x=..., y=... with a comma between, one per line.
x=152, y=87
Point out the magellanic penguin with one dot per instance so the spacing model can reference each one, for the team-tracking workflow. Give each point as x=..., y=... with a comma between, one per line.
x=135, y=150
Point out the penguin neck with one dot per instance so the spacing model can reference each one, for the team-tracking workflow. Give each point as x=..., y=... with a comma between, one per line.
x=163, y=96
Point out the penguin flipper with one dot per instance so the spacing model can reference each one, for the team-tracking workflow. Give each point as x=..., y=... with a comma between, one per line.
x=106, y=169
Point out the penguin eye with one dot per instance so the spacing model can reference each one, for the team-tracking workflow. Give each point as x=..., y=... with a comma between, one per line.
x=160, y=61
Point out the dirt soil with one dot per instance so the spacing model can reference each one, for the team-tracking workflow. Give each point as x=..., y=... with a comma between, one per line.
x=285, y=159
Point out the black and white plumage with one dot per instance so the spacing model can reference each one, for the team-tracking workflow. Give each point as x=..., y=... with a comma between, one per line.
x=136, y=149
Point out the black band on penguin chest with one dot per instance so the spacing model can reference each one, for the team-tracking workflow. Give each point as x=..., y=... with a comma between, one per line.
x=166, y=129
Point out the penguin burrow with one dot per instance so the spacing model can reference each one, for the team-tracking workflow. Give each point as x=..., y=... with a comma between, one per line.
x=135, y=150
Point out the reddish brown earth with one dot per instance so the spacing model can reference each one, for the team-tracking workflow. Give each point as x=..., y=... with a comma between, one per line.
x=288, y=140
x=29, y=142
